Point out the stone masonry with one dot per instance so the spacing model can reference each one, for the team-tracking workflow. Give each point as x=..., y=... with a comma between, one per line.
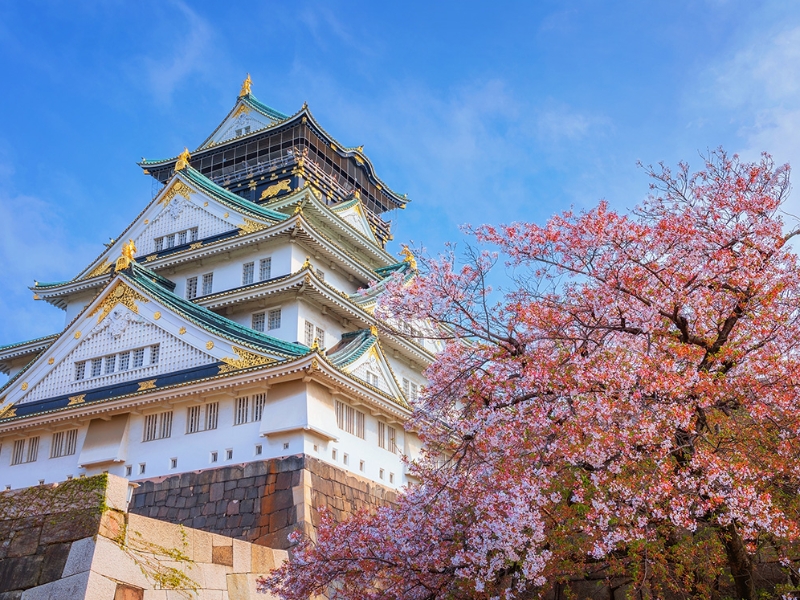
x=261, y=502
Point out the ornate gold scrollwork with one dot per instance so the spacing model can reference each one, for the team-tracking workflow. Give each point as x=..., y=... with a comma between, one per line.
x=177, y=188
x=121, y=294
x=250, y=226
x=183, y=160
x=245, y=359
x=79, y=399
x=150, y=384
x=408, y=257
x=8, y=411
x=127, y=257
x=276, y=188
x=245, y=91
x=101, y=269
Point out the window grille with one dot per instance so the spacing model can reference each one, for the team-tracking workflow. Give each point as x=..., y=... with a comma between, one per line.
x=265, y=269
x=381, y=434
x=410, y=389
x=80, y=370
x=275, y=319
x=242, y=410
x=372, y=379
x=248, y=270
x=193, y=234
x=138, y=358
x=193, y=419
x=321, y=337
x=171, y=240
x=111, y=363
x=309, y=333
x=214, y=457
x=63, y=443
x=259, y=401
x=124, y=360
x=349, y=419
x=212, y=415
x=191, y=288
x=157, y=426
x=181, y=238
x=25, y=451
x=155, y=350
x=392, y=439
x=97, y=367
x=208, y=283
x=229, y=454
x=258, y=321
x=159, y=244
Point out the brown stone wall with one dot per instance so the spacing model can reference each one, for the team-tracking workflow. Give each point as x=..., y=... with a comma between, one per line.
x=260, y=502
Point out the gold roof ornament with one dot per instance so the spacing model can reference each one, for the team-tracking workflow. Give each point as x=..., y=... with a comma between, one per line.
x=128, y=252
x=183, y=160
x=408, y=257
x=315, y=345
x=373, y=329
x=245, y=91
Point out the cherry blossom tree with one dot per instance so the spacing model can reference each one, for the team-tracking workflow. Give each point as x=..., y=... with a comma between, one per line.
x=628, y=410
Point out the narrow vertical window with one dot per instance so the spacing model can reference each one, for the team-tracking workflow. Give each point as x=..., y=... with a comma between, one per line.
x=321, y=337
x=57, y=445
x=360, y=424
x=18, y=452
x=309, y=333
x=111, y=363
x=170, y=240
x=259, y=400
x=154, y=353
x=33, y=449
x=70, y=442
x=275, y=318
x=193, y=419
x=159, y=244
x=381, y=434
x=212, y=415
x=392, y=440
x=193, y=234
x=181, y=238
x=80, y=370
x=97, y=366
x=258, y=321
x=208, y=283
x=191, y=288
x=264, y=269
x=248, y=270
x=242, y=410
x=124, y=360
x=138, y=358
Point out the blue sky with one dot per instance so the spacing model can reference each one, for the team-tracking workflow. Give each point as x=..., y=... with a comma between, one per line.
x=480, y=112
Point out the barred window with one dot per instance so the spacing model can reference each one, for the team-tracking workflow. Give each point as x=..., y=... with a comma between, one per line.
x=242, y=411
x=309, y=333
x=381, y=434
x=410, y=389
x=202, y=417
x=392, y=434
x=321, y=337
x=97, y=367
x=138, y=358
x=80, y=370
x=193, y=419
x=248, y=270
x=181, y=238
x=157, y=426
x=64, y=443
x=259, y=400
x=212, y=415
x=274, y=318
x=191, y=288
x=258, y=321
x=208, y=283
x=193, y=234
x=111, y=363
x=25, y=451
x=264, y=269
x=349, y=419
x=372, y=379
x=124, y=361
x=170, y=240
x=159, y=244
x=154, y=353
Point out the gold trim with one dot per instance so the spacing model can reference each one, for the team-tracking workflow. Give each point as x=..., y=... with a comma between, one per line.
x=121, y=294
x=79, y=399
x=101, y=269
x=276, y=188
x=209, y=345
x=250, y=226
x=157, y=315
x=77, y=335
x=182, y=330
x=8, y=412
x=195, y=246
x=245, y=359
x=245, y=91
x=24, y=386
x=151, y=258
x=51, y=360
x=183, y=160
x=176, y=189
x=150, y=384
x=127, y=256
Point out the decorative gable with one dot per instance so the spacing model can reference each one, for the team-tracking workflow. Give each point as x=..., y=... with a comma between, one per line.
x=241, y=121
x=374, y=369
x=354, y=215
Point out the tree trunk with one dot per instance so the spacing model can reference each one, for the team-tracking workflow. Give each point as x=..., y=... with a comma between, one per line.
x=740, y=563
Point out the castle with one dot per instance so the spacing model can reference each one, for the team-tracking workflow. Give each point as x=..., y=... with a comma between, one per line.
x=228, y=336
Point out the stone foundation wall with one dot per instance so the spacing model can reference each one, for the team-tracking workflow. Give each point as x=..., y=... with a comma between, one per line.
x=261, y=502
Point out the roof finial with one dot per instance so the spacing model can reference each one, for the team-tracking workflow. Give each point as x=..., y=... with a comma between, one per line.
x=373, y=330
x=409, y=257
x=315, y=344
x=246, y=86
x=183, y=160
x=128, y=252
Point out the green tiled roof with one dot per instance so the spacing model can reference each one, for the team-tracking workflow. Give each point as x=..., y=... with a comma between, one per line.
x=144, y=279
x=265, y=110
x=230, y=199
x=352, y=346
x=50, y=337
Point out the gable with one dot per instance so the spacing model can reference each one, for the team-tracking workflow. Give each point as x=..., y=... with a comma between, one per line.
x=355, y=217
x=241, y=121
x=373, y=368
x=114, y=342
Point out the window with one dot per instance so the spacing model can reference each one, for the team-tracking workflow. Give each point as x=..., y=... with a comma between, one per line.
x=138, y=358
x=259, y=449
x=392, y=446
x=361, y=465
x=181, y=238
x=334, y=454
x=154, y=352
x=391, y=477
x=274, y=321
x=63, y=443
x=259, y=400
x=380, y=473
x=410, y=389
x=214, y=456
x=80, y=370
x=372, y=378
x=97, y=367
x=346, y=458
x=309, y=333
x=208, y=283
x=248, y=270
x=191, y=288
x=285, y=445
x=173, y=463
x=242, y=410
x=381, y=435
x=25, y=451
x=128, y=470
x=171, y=240
x=321, y=337
x=124, y=360
x=157, y=426
x=229, y=454
x=258, y=321
x=193, y=234
x=159, y=244
x=249, y=409
x=349, y=419
x=264, y=269
x=202, y=418
x=142, y=468
x=111, y=363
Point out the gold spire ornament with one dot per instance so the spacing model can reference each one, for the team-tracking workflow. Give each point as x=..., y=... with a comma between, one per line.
x=128, y=252
x=246, y=86
x=408, y=257
x=183, y=160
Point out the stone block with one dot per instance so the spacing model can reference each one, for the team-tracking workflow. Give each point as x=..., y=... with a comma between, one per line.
x=201, y=546
x=55, y=558
x=68, y=587
x=222, y=555
x=24, y=542
x=112, y=524
x=167, y=535
x=262, y=559
x=80, y=556
x=155, y=595
x=242, y=558
x=212, y=577
x=281, y=499
x=216, y=492
x=110, y=561
x=232, y=508
x=69, y=526
x=128, y=592
x=20, y=573
x=15, y=595
x=98, y=588
x=117, y=493
x=230, y=485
